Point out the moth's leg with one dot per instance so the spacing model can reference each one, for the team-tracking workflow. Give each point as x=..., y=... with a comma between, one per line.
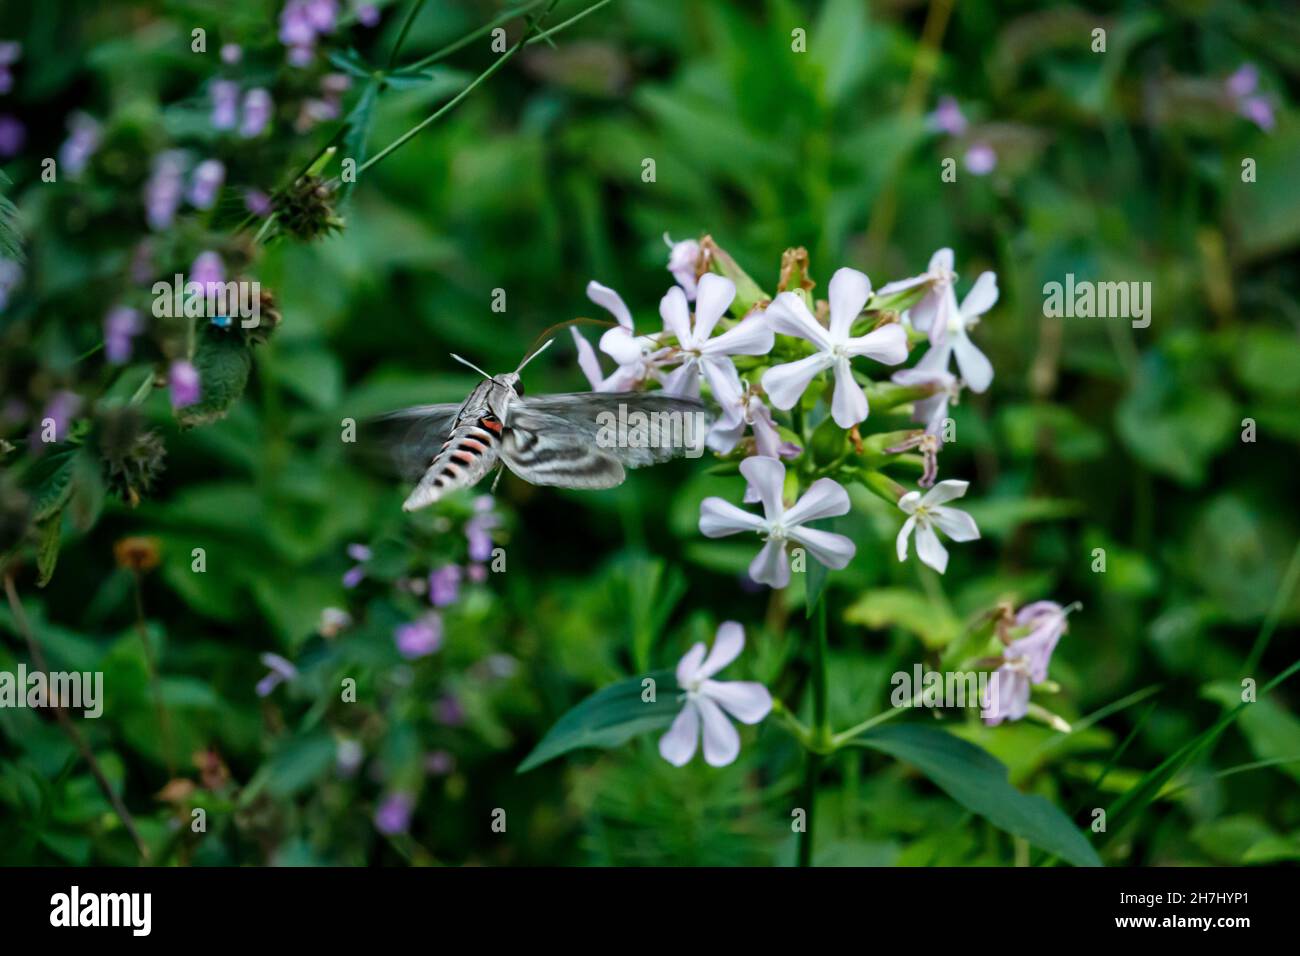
x=497, y=480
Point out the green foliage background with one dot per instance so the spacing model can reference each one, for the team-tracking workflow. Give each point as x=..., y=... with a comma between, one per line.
x=1122, y=165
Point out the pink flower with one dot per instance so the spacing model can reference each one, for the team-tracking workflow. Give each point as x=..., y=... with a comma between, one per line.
x=947, y=117
x=953, y=336
x=824, y=499
x=281, y=671
x=938, y=279
x=393, y=815
x=121, y=326
x=638, y=356
x=981, y=159
x=705, y=701
x=849, y=291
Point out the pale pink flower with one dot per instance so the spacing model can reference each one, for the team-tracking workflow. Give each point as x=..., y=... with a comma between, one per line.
x=699, y=350
x=954, y=338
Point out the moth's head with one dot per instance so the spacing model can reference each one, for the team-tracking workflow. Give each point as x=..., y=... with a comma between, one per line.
x=511, y=381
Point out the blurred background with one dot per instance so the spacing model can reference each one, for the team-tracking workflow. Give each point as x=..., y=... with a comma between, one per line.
x=771, y=125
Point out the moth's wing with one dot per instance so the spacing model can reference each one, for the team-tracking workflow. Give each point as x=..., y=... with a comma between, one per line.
x=545, y=449
x=405, y=442
x=676, y=425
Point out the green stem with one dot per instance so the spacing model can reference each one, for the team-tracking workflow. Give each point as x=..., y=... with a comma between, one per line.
x=820, y=731
x=502, y=18
x=846, y=736
x=455, y=100
x=406, y=28
x=569, y=22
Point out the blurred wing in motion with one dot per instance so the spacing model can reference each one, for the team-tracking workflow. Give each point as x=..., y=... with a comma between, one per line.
x=634, y=429
x=406, y=441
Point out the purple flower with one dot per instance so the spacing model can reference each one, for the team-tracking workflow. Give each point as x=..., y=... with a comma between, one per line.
x=281, y=671
x=12, y=136
x=947, y=117
x=206, y=182
x=257, y=112
x=1243, y=82
x=322, y=14
x=439, y=763
x=368, y=15
x=183, y=382
x=419, y=638
x=231, y=53
x=361, y=554
x=1259, y=111
x=208, y=272
x=683, y=260
x=981, y=159
x=10, y=52
x=225, y=104
x=83, y=139
x=59, y=411
x=121, y=325
x=444, y=585
x=476, y=573
x=10, y=275
x=478, y=530
x=295, y=26
x=162, y=192
x=449, y=711
x=257, y=202
x=393, y=815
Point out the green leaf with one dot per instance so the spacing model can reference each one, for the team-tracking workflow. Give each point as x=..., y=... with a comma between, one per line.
x=47, y=550
x=978, y=781
x=223, y=363
x=610, y=717
x=298, y=763
x=358, y=123
x=1272, y=732
x=884, y=607
x=50, y=482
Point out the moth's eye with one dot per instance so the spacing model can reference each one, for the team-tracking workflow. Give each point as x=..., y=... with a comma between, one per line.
x=519, y=389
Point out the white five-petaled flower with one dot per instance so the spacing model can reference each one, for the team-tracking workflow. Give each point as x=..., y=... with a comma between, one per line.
x=698, y=351
x=1024, y=662
x=706, y=699
x=951, y=328
x=825, y=498
x=849, y=291
x=638, y=356
x=683, y=263
x=938, y=279
x=928, y=512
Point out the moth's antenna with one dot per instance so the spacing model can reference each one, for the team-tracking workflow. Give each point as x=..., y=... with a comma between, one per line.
x=544, y=347
x=471, y=365
x=583, y=321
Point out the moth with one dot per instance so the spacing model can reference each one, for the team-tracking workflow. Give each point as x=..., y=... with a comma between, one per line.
x=557, y=440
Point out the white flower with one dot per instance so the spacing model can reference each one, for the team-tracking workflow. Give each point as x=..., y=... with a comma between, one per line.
x=706, y=699
x=824, y=499
x=931, y=411
x=638, y=356
x=953, y=325
x=683, y=261
x=929, y=512
x=698, y=352
x=849, y=291
x=938, y=278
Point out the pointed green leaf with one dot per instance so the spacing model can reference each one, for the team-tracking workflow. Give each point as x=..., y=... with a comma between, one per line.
x=610, y=717
x=978, y=781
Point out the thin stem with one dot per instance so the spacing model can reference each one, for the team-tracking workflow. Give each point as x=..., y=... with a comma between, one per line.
x=69, y=728
x=820, y=731
x=164, y=719
x=455, y=100
x=1275, y=613
x=846, y=736
x=569, y=22
x=504, y=17
x=406, y=28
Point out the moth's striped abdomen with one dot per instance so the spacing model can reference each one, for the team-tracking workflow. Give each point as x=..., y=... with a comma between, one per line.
x=466, y=456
